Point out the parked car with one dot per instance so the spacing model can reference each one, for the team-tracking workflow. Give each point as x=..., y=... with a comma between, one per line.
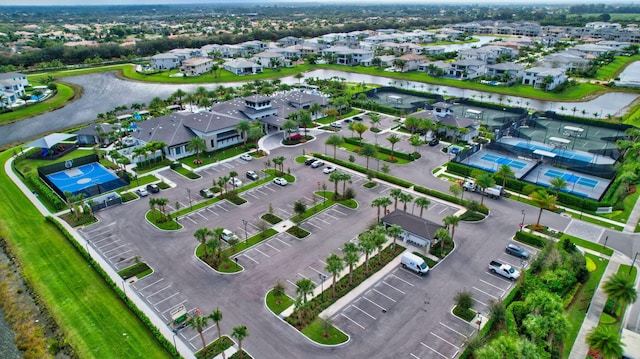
x=309, y=161
x=280, y=181
x=252, y=175
x=206, y=193
x=357, y=118
x=336, y=124
x=434, y=142
x=228, y=235
x=246, y=157
x=328, y=169
x=348, y=120
x=517, y=251
x=153, y=188
x=317, y=164
x=236, y=182
x=142, y=192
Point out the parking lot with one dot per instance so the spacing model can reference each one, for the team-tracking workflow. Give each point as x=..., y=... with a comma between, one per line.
x=117, y=250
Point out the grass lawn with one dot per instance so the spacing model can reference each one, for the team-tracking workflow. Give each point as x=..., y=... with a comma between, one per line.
x=188, y=174
x=381, y=156
x=278, y=304
x=214, y=156
x=577, y=311
x=65, y=94
x=95, y=321
x=612, y=70
x=588, y=245
x=328, y=335
x=171, y=225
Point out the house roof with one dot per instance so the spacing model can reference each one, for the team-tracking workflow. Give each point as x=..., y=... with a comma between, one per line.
x=414, y=224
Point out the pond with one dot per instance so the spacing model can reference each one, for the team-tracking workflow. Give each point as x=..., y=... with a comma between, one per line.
x=630, y=75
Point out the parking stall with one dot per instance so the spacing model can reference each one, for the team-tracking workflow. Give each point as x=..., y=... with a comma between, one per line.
x=117, y=252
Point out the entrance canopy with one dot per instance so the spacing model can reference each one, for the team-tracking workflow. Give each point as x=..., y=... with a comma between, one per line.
x=51, y=140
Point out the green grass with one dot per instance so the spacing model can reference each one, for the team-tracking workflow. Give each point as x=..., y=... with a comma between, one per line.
x=588, y=245
x=380, y=156
x=214, y=156
x=464, y=314
x=65, y=94
x=95, y=321
x=278, y=304
x=577, y=311
x=612, y=70
x=188, y=174
x=251, y=241
x=332, y=336
x=171, y=225
x=616, y=323
x=139, y=270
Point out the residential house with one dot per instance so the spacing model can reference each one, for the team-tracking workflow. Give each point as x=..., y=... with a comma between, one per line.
x=488, y=54
x=448, y=123
x=12, y=86
x=97, y=134
x=290, y=41
x=544, y=77
x=242, y=67
x=506, y=71
x=411, y=62
x=417, y=231
x=346, y=56
x=196, y=66
x=270, y=59
x=567, y=60
x=467, y=69
x=165, y=61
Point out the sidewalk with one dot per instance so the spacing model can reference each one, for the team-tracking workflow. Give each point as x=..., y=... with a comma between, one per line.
x=580, y=347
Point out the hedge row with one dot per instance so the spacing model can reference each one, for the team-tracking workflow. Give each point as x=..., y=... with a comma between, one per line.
x=531, y=239
x=358, y=168
x=45, y=191
x=447, y=197
x=386, y=151
x=93, y=264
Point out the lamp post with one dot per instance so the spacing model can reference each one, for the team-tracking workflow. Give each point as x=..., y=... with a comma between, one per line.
x=244, y=221
x=479, y=321
x=189, y=194
x=324, y=194
x=634, y=262
x=523, y=215
x=322, y=278
x=605, y=242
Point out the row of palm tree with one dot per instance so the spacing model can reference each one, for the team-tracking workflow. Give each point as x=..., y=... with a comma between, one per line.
x=211, y=241
x=337, y=177
x=200, y=322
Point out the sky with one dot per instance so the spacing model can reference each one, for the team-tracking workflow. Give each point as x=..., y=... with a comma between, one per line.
x=364, y=2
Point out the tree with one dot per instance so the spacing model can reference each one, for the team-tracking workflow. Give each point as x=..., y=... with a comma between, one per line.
x=367, y=246
x=412, y=124
x=456, y=189
x=304, y=287
x=394, y=231
x=452, y=222
x=393, y=139
x=405, y=198
x=422, y=203
x=199, y=322
x=179, y=94
x=243, y=128
x=335, y=141
x=484, y=181
x=334, y=266
x=289, y=126
x=505, y=171
x=395, y=193
x=239, y=333
x=606, y=341
x=201, y=235
x=543, y=200
x=299, y=76
x=360, y=128
x=415, y=141
x=464, y=300
x=305, y=121
x=442, y=234
x=350, y=256
x=379, y=203
x=558, y=183
x=299, y=207
x=335, y=178
x=379, y=238
x=255, y=132
x=374, y=119
x=197, y=145
x=368, y=150
x=620, y=288
x=216, y=316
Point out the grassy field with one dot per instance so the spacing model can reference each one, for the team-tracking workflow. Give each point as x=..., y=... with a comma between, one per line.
x=96, y=323
x=612, y=70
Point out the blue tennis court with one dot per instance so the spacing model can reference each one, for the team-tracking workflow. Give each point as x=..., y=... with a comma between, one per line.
x=78, y=179
x=572, y=178
x=560, y=152
x=503, y=161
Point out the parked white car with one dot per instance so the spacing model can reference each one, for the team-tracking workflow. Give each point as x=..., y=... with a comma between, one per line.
x=246, y=157
x=328, y=169
x=236, y=182
x=280, y=181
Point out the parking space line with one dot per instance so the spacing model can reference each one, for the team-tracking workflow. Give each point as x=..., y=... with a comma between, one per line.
x=400, y=279
x=371, y=316
x=253, y=225
x=328, y=215
x=385, y=190
x=309, y=223
x=333, y=209
x=483, y=303
x=481, y=291
x=261, y=252
x=94, y=239
x=281, y=241
x=415, y=356
x=393, y=287
x=99, y=228
x=252, y=195
x=293, y=284
x=446, y=208
x=165, y=299
x=384, y=295
x=149, y=285
x=374, y=303
x=113, y=249
x=110, y=239
x=453, y=330
x=433, y=350
x=119, y=254
x=222, y=208
x=444, y=340
x=158, y=291
x=285, y=212
x=315, y=270
x=353, y=321
x=267, y=244
x=204, y=331
x=200, y=214
x=500, y=277
x=322, y=220
x=210, y=210
x=175, y=306
x=323, y=262
x=251, y=258
x=495, y=286
x=189, y=218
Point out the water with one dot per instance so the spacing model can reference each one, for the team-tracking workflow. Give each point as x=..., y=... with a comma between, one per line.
x=8, y=349
x=631, y=75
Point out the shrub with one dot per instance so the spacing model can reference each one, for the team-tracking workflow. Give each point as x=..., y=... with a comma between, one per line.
x=531, y=239
x=609, y=307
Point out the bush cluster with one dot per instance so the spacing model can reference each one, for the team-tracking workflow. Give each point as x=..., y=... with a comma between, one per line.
x=45, y=191
x=531, y=239
x=384, y=150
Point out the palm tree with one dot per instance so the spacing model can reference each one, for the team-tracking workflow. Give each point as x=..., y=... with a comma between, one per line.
x=405, y=198
x=201, y=235
x=484, y=181
x=395, y=193
x=216, y=316
x=335, y=141
x=379, y=202
x=620, y=288
x=379, y=238
x=367, y=246
x=505, y=171
x=179, y=94
x=375, y=119
x=243, y=127
x=198, y=323
x=443, y=235
x=606, y=341
x=305, y=287
x=350, y=256
x=305, y=121
x=289, y=126
x=217, y=234
x=422, y=203
x=394, y=231
x=299, y=76
x=239, y=333
x=544, y=200
x=335, y=178
x=360, y=128
x=452, y=222
x=558, y=183
x=197, y=145
x=334, y=266
x=368, y=150
x=255, y=132
x=393, y=139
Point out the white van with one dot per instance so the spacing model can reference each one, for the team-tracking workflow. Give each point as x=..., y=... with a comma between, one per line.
x=414, y=263
x=227, y=235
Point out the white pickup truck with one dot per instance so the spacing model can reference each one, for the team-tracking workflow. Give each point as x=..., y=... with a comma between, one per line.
x=504, y=270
